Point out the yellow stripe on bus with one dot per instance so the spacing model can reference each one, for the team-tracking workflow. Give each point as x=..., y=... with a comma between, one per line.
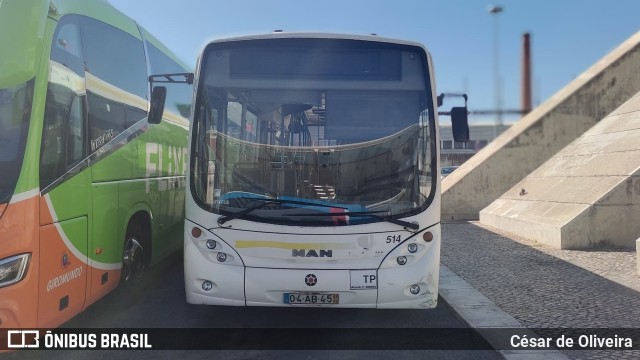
x=245, y=244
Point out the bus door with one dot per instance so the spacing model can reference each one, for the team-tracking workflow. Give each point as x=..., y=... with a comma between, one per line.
x=64, y=182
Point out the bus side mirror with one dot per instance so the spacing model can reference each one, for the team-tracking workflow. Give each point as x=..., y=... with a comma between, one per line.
x=158, y=97
x=460, y=124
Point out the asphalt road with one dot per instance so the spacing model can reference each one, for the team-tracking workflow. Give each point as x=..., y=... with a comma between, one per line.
x=158, y=301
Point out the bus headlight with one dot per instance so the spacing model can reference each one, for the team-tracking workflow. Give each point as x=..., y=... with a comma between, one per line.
x=401, y=260
x=210, y=246
x=413, y=247
x=13, y=269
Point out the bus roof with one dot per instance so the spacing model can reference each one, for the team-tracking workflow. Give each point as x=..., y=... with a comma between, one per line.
x=316, y=35
x=102, y=10
x=99, y=10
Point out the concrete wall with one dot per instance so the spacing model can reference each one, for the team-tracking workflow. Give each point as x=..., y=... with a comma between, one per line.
x=585, y=196
x=542, y=133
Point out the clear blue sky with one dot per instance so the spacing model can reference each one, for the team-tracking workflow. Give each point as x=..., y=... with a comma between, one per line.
x=567, y=36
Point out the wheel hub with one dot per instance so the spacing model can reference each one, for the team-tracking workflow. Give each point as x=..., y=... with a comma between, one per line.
x=132, y=259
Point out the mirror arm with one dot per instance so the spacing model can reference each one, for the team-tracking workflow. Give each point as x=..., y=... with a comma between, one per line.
x=440, y=98
x=183, y=78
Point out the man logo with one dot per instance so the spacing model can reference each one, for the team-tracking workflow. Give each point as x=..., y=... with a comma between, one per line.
x=310, y=280
x=311, y=253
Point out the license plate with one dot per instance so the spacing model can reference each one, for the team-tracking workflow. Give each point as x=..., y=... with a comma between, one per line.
x=310, y=298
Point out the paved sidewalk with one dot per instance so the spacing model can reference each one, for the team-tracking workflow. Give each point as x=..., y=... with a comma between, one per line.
x=541, y=287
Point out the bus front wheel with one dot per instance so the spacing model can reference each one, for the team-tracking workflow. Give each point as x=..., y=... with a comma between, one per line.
x=133, y=256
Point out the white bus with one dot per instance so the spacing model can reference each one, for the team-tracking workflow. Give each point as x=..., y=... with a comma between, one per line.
x=314, y=173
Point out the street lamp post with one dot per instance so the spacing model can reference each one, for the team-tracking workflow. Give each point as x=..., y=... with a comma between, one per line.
x=495, y=10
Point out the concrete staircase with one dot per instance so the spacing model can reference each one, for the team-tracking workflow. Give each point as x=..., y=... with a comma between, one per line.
x=542, y=133
x=585, y=196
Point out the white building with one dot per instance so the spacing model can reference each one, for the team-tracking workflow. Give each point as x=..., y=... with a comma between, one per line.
x=455, y=153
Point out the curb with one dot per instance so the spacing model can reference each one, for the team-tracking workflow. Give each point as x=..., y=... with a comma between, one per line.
x=480, y=312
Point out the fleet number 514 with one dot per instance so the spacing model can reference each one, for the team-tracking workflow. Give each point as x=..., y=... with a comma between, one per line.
x=393, y=239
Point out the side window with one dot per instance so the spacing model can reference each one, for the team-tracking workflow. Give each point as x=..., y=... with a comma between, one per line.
x=66, y=49
x=52, y=164
x=115, y=57
x=75, y=132
x=234, y=118
x=117, y=86
x=63, y=134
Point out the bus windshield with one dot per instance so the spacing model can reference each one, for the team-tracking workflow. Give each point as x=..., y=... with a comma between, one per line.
x=330, y=126
x=15, y=107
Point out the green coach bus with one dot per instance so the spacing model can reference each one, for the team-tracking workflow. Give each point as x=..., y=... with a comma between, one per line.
x=90, y=192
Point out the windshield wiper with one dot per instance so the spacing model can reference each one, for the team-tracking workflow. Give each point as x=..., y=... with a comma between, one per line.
x=266, y=201
x=406, y=224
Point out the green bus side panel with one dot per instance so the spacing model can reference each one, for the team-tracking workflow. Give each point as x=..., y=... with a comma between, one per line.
x=72, y=198
x=122, y=164
x=156, y=197
x=159, y=152
x=146, y=175
x=105, y=224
